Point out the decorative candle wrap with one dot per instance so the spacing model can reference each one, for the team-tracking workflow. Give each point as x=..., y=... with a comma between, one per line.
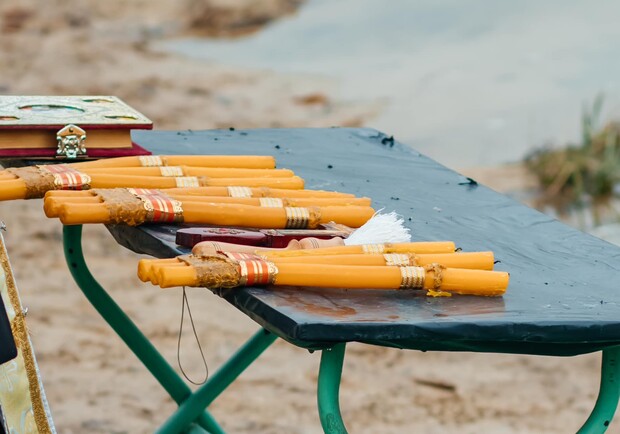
x=240, y=191
x=272, y=202
x=374, y=249
x=150, y=160
x=188, y=181
x=171, y=171
x=127, y=207
x=302, y=218
x=213, y=271
x=415, y=277
x=412, y=277
x=254, y=270
x=228, y=270
x=161, y=209
x=41, y=179
x=399, y=259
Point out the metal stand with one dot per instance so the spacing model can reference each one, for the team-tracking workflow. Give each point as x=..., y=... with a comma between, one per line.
x=330, y=373
x=191, y=414
x=608, y=394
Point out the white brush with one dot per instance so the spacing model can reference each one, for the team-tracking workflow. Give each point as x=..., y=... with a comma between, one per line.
x=381, y=228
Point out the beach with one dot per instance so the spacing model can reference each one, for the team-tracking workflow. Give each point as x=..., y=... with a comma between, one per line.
x=94, y=383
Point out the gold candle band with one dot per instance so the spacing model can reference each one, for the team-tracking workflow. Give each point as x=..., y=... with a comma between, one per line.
x=412, y=277
x=297, y=218
x=150, y=160
x=398, y=259
x=257, y=272
x=373, y=249
x=187, y=181
x=161, y=209
x=171, y=171
x=239, y=192
x=271, y=202
x=67, y=178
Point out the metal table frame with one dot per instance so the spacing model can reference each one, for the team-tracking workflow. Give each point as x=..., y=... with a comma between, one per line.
x=192, y=416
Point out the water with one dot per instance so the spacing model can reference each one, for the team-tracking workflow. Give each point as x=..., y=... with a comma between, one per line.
x=468, y=83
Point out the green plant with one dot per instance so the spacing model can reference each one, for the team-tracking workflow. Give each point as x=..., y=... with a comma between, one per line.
x=580, y=174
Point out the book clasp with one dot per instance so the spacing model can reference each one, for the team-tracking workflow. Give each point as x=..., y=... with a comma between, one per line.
x=71, y=142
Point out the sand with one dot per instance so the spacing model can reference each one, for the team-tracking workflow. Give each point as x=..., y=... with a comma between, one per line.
x=95, y=385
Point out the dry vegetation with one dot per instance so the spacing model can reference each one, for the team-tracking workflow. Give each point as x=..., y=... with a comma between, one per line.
x=582, y=175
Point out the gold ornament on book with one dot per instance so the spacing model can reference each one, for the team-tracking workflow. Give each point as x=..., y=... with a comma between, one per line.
x=71, y=142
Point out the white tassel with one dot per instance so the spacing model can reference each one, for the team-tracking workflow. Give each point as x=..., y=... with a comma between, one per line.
x=381, y=228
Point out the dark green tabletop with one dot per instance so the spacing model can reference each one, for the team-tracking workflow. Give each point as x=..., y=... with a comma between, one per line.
x=563, y=297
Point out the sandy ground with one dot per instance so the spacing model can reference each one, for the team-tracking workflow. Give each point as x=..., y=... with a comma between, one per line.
x=95, y=385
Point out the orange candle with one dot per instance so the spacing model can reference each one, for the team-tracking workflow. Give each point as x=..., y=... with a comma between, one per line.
x=241, y=191
x=13, y=189
x=469, y=260
x=99, y=180
x=240, y=161
x=211, y=172
x=434, y=279
x=233, y=215
x=415, y=247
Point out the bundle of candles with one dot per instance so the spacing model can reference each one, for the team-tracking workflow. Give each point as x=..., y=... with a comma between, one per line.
x=229, y=190
x=430, y=266
x=248, y=191
x=137, y=206
x=147, y=172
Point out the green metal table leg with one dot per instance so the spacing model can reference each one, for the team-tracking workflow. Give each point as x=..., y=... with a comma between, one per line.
x=195, y=429
x=194, y=405
x=125, y=328
x=330, y=373
x=608, y=394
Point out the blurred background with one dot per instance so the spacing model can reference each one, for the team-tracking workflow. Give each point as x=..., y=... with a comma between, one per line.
x=522, y=96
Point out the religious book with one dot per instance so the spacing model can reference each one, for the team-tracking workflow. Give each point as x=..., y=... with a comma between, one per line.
x=68, y=127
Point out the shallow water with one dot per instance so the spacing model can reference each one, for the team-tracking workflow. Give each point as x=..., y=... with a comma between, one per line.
x=468, y=83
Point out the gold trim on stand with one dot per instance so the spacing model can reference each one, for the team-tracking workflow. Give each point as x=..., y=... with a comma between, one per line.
x=22, y=341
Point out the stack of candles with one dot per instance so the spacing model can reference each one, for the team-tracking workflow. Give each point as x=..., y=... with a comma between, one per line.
x=245, y=191
x=138, y=206
x=147, y=172
x=430, y=266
